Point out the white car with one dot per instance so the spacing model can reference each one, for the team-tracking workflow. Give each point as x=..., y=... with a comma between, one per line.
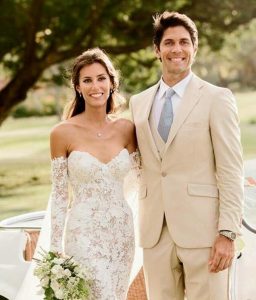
x=13, y=240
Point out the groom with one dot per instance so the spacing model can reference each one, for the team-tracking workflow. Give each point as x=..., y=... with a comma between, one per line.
x=191, y=198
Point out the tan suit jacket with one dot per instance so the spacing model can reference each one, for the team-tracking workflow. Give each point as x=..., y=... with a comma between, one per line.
x=197, y=182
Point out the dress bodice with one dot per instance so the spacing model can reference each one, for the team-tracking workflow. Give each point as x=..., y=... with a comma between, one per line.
x=86, y=168
x=93, y=179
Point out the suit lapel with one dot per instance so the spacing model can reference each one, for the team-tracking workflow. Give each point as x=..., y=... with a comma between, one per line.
x=146, y=105
x=189, y=100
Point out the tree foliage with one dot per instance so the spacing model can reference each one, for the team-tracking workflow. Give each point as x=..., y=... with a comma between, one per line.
x=36, y=34
x=234, y=65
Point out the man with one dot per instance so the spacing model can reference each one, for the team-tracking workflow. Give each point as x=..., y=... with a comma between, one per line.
x=191, y=198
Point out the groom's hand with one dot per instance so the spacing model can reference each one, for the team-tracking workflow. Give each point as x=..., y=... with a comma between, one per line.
x=222, y=254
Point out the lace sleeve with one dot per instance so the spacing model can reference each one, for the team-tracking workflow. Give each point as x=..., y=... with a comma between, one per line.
x=135, y=160
x=59, y=202
x=133, y=178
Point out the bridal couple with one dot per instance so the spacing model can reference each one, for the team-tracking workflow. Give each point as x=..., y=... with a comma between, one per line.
x=189, y=167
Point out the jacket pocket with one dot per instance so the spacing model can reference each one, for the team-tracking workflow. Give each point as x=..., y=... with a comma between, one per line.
x=203, y=190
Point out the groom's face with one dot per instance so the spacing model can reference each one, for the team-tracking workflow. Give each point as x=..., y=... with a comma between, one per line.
x=176, y=52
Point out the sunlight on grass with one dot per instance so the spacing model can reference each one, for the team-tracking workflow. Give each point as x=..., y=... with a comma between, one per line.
x=24, y=165
x=24, y=199
x=249, y=140
x=246, y=106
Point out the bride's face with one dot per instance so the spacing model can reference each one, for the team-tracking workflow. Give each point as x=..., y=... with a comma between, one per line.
x=94, y=85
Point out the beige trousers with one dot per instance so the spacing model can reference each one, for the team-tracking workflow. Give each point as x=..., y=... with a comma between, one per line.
x=171, y=272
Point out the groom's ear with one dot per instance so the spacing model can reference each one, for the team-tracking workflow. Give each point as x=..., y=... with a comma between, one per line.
x=157, y=52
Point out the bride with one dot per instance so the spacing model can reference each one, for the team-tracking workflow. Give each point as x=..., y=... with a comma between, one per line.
x=91, y=157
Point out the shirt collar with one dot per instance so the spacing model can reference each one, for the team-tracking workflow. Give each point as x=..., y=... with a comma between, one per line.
x=179, y=88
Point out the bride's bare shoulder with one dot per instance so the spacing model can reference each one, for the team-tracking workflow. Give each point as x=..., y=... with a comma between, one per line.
x=61, y=134
x=124, y=124
x=126, y=129
x=61, y=128
x=66, y=126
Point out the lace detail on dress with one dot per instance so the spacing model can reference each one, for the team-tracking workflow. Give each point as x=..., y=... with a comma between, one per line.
x=135, y=158
x=133, y=179
x=99, y=230
x=59, y=202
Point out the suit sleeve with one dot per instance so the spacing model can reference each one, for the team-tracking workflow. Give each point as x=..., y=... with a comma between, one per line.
x=225, y=134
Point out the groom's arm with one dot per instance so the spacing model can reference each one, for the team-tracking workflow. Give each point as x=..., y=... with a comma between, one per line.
x=225, y=134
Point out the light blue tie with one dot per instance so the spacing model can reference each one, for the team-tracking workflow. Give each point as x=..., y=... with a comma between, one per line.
x=166, y=117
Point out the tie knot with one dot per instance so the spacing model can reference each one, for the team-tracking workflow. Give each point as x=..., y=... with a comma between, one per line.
x=169, y=93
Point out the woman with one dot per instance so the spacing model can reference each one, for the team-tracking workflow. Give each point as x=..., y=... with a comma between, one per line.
x=93, y=153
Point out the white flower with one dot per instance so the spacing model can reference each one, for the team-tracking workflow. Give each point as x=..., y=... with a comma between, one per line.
x=58, y=261
x=67, y=273
x=57, y=269
x=59, y=294
x=55, y=285
x=45, y=281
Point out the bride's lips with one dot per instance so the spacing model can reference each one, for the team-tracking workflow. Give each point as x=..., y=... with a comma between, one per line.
x=96, y=95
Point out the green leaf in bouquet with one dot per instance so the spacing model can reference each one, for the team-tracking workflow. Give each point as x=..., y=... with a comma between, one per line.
x=49, y=294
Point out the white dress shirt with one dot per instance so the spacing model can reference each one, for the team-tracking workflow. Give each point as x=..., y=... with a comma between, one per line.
x=179, y=89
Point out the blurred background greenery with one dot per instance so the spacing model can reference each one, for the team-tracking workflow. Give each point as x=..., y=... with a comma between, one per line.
x=39, y=39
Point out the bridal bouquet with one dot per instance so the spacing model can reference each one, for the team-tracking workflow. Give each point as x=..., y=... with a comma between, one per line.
x=62, y=278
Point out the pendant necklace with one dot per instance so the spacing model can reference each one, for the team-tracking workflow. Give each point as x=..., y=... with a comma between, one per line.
x=99, y=133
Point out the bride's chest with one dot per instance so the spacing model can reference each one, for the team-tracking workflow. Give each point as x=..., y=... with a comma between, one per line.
x=85, y=168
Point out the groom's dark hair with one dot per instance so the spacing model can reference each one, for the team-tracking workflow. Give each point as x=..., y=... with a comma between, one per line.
x=172, y=19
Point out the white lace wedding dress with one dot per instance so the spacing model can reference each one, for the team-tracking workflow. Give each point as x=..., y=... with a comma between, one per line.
x=96, y=228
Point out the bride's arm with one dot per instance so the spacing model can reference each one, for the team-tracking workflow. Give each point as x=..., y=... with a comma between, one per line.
x=133, y=178
x=59, y=202
x=132, y=147
x=59, y=195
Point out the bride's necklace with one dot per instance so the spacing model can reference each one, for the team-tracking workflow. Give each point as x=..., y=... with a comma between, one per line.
x=99, y=133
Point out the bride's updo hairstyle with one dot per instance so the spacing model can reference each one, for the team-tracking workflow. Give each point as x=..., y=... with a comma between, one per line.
x=89, y=57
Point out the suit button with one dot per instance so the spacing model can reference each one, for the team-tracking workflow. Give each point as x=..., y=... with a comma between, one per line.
x=163, y=174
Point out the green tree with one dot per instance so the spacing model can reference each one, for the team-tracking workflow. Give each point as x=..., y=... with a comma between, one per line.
x=36, y=34
x=234, y=65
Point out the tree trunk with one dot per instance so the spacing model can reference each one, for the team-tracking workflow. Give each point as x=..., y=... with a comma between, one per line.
x=16, y=90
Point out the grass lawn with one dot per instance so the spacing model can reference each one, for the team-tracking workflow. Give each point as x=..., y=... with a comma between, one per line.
x=24, y=165
x=247, y=114
x=25, y=161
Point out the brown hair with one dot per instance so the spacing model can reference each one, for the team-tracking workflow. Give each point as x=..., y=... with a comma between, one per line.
x=172, y=19
x=90, y=57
